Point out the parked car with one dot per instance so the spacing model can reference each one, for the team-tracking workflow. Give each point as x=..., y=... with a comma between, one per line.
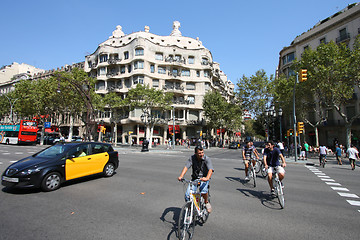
x=54, y=165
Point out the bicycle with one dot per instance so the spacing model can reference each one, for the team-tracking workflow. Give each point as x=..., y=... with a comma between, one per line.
x=279, y=189
x=258, y=166
x=193, y=210
x=251, y=172
x=322, y=160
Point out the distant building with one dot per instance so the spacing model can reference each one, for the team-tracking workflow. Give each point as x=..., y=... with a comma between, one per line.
x=13, y=73
x=341, y=27
x=173, y=63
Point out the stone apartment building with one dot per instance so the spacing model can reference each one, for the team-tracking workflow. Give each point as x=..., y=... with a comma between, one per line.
x=341, y=27
x=174, y=63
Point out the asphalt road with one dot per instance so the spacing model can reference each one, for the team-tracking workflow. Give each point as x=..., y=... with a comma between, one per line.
x=143, y=201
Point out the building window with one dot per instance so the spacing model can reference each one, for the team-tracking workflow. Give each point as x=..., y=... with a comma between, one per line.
x=139, y=52
x=198, y=73
x=206, y=74
x=126, y=55
x=191, y=99
x=129, y=68
x=323, y=40
x=127, y=83
x=122, y=69
x=103, y=58
x=177, y=58
x=138, y=80
x=190, y=86
x=306, y=48
x=191, y=60
x=138, y=65
x=102, y=71
x=204, y=61
x=159, y=56
x=162, y=70
x=185, y=73
x=155, y=83
x=152, y=68
x=288, y=58
x=207, y=86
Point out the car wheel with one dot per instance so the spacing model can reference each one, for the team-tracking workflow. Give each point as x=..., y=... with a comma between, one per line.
x=51, y=182
x=109, y=170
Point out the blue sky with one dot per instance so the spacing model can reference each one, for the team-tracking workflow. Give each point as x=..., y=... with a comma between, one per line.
x=243, y=36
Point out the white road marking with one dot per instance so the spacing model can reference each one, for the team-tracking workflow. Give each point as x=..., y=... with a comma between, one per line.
x=6, y=153
x=13, y=161
x=333, y=183
x=354, y=203
x=350, y=195
x=340, y=189
x=327, y=179
x=324, y=176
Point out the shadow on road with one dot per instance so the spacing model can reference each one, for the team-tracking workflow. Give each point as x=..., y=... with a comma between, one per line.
x=264, y=197
x=175, y=212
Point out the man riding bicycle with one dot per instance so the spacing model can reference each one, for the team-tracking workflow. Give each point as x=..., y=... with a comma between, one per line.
x=201, y=166
x=272, y=163
x=248, y=154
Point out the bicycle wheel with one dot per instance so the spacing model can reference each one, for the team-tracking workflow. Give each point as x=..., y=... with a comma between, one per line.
x=280, y=194
x=204, y=213
x=186, y=224
x=263, y=170
x=257, y=166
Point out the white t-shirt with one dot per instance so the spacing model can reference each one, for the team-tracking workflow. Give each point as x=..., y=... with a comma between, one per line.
x=281, y=146
x=352, y=153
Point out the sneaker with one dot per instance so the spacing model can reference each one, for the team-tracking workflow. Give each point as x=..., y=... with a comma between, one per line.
x=208, y=207
x=272, y=192
x=247, y=178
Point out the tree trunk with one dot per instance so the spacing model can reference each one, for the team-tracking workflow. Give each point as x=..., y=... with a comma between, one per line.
x=348, y=135
x=71, y=128
x=317, y=136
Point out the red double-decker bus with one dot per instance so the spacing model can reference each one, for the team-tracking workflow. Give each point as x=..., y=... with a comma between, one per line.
x=25, y=132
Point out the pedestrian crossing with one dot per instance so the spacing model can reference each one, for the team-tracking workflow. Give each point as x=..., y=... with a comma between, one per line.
x=342, y=191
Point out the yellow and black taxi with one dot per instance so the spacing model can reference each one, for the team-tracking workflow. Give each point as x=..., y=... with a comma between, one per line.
x=54, y=165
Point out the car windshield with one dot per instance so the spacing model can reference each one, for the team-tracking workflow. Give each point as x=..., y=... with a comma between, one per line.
x=53, y=151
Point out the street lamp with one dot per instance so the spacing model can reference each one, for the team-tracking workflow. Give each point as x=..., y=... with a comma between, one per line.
x=280, y=114
x=11, y=107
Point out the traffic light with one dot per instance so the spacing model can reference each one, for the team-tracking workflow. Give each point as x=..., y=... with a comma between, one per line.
x=303, y=75
x=290, y=132
x=300, y=127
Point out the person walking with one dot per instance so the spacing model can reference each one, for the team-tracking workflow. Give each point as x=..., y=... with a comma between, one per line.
x=353, y=154
x=338, y=151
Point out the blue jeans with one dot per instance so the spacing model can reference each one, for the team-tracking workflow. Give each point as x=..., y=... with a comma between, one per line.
x=204, y=188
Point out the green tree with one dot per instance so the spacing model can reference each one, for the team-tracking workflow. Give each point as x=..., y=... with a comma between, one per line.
x=151, y=101
x=333, y=74
x=221, y=114
x=255, y=94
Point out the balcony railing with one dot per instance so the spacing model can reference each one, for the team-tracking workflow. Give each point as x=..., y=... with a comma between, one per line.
x=175, y=60
x=114, y=61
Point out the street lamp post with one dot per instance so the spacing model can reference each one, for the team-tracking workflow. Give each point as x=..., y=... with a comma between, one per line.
x=11, y=117
x=280, y=114
x=147, y=119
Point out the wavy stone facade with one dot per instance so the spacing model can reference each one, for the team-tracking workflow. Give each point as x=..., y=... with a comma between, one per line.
x=173, y=63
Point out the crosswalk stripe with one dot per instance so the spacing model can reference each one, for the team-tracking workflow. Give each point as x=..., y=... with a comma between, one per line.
x=348, y=195
x=324, y=176
x=354, y=203
x=333, y=183
x=340, y=189
x=327, y=179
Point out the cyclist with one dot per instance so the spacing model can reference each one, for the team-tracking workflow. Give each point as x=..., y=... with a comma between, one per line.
x=202, y=169
x=271, y=162
x=248, y=153
x=322, y=153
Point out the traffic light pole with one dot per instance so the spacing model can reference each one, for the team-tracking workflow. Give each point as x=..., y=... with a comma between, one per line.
x=295, y=140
